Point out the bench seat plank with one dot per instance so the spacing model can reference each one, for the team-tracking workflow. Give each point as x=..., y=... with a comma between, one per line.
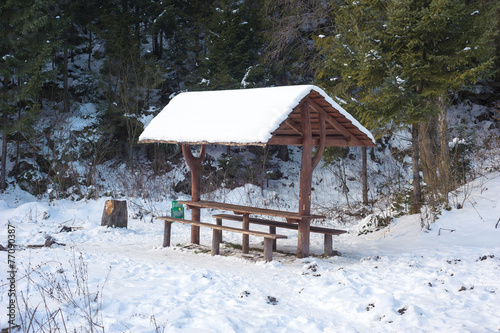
x=327, y=232
x=217, y=234
x=320, y=230
x=221, y=227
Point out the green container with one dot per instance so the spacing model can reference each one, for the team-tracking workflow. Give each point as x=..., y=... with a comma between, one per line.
x=177, y=210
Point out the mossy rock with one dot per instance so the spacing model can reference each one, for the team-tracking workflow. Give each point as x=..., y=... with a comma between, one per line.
x=29, y=178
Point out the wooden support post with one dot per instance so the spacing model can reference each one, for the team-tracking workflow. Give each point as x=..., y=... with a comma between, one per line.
x=268, y=249
x=215, y=242
x=305, y=183
x=272, y=230
x=308, y=164
x=194, y=164
x=218, y=221
x=328, y=245
x=166, y=234
x=245, y=243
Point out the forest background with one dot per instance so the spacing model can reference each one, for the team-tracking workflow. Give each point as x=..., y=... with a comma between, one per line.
x=80, y=79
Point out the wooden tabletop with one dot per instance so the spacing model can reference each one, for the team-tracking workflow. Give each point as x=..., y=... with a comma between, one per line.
x=241, y=210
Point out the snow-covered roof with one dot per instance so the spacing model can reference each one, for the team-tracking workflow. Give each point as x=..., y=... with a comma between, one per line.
x=241, y=117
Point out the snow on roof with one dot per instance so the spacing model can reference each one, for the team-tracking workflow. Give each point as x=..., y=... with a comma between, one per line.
x=242, y=116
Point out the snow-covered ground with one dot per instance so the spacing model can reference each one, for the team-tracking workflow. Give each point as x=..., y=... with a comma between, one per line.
x=398, y=279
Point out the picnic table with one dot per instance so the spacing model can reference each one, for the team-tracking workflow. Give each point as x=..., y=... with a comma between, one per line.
x=242, y=214
x=306, y=117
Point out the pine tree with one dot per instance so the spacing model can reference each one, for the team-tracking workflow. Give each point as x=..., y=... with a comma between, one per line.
x=26, y=47
x=397, y=61
x=233, y=41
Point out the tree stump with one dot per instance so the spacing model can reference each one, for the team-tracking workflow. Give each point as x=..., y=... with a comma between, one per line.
x=115, y=214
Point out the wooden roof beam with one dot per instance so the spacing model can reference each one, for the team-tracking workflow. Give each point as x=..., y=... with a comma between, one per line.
x=338, y=126
x=338, y=141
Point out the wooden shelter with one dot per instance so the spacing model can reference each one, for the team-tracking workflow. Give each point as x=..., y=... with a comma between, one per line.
x=293, y=115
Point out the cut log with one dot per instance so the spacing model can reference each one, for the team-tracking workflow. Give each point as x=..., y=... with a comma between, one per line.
x=115, y=214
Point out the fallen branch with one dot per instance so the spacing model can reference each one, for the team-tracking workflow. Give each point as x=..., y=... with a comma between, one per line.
x=496, y=225
x=48, y=243
x=68, y=229
x=450, y=230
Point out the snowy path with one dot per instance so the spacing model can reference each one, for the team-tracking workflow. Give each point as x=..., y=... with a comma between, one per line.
x=399, y=279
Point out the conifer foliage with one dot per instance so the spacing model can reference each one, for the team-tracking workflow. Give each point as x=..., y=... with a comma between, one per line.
x=396, y=62
x=25, y=46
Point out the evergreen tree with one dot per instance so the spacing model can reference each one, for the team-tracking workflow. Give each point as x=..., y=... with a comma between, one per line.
x=233, y=41
x=130, y=70
x=25, y=47
x=397, y=61
x=291, y=25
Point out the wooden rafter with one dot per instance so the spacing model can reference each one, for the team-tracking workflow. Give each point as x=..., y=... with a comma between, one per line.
x=332, y=121
x=322, y=139
x=293, y=125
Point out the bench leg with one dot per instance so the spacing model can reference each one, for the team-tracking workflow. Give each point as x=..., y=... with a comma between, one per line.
x=219, y=222
x=272, y=230
x=268, y=249
x=215, y=242
x=166, y=234
x=245, y=243
x=328, y=245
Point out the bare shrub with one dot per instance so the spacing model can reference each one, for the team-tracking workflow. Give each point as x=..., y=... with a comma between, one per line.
x=59, y=299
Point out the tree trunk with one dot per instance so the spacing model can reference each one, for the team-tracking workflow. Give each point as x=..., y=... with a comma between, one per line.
x=417, y=192
x=3, y=172
x=160, y=51
x=154, y=37
x=444, y=163
x=283, y=153
x=115, y=214
x=90, y=50
x=427, y=156
x=364, y=176
x=65, y=78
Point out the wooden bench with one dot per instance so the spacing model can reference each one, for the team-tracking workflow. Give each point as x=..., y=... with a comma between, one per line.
x=328, y=233
x=217, y=235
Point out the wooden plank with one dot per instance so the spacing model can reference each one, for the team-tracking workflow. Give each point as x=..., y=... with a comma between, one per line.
x=166, y=234
x=245, y=241
x=328, y=245
x=272, y=230
x=292, y=226
x=219, y=222
x=268, y=249
x=221, y=227
x=316, y=132
x=322, y=138
x=336, y=141
x=305, y=181
x=215, y=242
x=296, y=127
x=250, y=210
